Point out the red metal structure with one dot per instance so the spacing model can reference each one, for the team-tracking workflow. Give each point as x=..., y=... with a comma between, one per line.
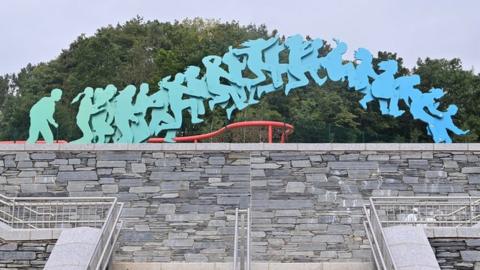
x=287, y=130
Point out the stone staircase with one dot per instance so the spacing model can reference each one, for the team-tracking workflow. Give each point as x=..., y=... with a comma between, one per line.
x=410, y=248
x=74, y=249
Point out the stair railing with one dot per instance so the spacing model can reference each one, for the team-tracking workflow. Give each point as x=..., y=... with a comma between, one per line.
x=242, y=235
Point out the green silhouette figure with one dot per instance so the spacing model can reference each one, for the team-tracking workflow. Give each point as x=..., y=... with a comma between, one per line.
x=41, y=115
x=102, y=120
x=85, y=111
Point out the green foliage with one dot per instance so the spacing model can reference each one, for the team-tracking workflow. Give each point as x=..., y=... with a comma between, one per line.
x=139, y=51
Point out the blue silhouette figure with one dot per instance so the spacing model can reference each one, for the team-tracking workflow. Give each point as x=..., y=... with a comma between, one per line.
x=333, y=62
x=124, y=114
x=359, y=77
x=423, y=102
x=275, y=68
x=406, y=88
x=298, y=49
x=312, y=61
x=85, y=112
x=221, y=93
x=438, y=127
x=385, y=90
x=102, y=121
x=235, y=69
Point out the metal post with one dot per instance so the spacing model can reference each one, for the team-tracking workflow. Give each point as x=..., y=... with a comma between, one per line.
x=471, y=210
x=249, y=222
x=270, y=134
x=13, y=213
x=242, y=237
x=282, y=139
x=329, y=133
x=235, y=241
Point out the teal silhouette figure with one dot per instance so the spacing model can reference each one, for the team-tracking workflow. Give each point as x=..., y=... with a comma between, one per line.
x=41, y=115
x=359, y=77
x=197, y=86
x=385, y=90
x=221, y=93
x=160, y=115
x=102, y=121
x=85, y=111
x=298, y=49
x=333, y=62
x=438, y=127
x=276, y=69
x=143, y=102
x=235, y=69
x=124, y=114
x=176, y=90
x=253, y=50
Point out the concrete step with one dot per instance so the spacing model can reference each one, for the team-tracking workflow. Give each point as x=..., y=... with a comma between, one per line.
x=410, y=248
x=229, y=266
x=74, y=249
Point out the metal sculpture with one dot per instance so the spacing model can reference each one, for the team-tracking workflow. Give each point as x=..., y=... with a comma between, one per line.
x=106, y=115
x=41, y=115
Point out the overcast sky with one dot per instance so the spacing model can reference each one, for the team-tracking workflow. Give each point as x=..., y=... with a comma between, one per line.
x=34, y=31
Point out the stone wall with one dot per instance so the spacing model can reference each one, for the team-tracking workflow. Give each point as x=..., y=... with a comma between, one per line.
x=180, y=198
x=24, y=254
x=457, y=253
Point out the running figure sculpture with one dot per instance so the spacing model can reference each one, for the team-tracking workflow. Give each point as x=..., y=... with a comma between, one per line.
x=237, y=80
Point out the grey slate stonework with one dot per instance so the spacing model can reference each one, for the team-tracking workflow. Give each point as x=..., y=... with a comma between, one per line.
x=25, y=254
x=457, y=253
x=180, y=204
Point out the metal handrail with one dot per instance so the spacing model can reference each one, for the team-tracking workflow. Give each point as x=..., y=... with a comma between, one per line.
x=16, y=219
x=15, y=202
x=98, y=260
x=28, y=208
x=431, y=211
x=377, y=253
x=247, y=262
x=258, y=123
x=386, y=253
x=427, y=211
x=56, y=212
x=235, y=241
x=477, y=202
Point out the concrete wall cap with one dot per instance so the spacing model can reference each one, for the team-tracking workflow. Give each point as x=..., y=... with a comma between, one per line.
x=244, y=147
